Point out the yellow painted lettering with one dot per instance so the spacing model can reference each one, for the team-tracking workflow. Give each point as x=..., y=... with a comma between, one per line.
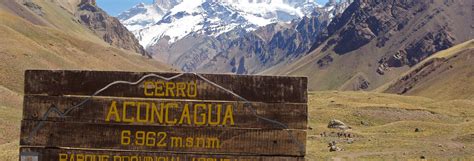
x=192, y=89
x=125, y=158
x=113, y=112
x=162, y=140
x=200, y=142
x=89, y=157
x=125, y=105
x=63, y=157
x=170, y=86
x=80, y=157
x=176, y=142
x=189, y=142
x=218, y=114
x=203, y=115
x=104, y=157
x=146, y=88
x=229, y=115
x=139, y=111
x=159, y=85
x=167, y=114
x=157, y=113
x=180, y=87
x=148, y=158
x=185, y=114
x=213, y=143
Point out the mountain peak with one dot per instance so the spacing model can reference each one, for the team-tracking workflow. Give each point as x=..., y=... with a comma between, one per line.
x=176, y=19
x=166, y=4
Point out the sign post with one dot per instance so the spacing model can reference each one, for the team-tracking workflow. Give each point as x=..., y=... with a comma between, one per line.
x=126, y=116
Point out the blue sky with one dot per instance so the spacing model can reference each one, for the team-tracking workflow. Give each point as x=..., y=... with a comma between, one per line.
x=115, y=7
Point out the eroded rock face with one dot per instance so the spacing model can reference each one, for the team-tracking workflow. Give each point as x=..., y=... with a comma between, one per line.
x=365, y=20
x=34, y=7
x=431, y=43
x=403, y=33
x=418, y=50
x=244, y=51
x=325, y=61
x=107, y=27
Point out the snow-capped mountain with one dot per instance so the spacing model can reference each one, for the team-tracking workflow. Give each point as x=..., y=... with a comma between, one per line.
x=230, y=36
x=175, y=19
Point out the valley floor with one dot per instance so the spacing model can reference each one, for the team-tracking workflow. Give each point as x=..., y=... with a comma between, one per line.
x=383, y=126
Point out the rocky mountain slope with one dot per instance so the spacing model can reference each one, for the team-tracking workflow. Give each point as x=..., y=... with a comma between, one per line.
x=446, y=75
x=48, y=35
x=107, y=27
x=39, y=34
x=373, y=42
x=227, y=37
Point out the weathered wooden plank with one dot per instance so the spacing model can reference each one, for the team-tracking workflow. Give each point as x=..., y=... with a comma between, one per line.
x=166, y=112
x=164, y=138
x=186, y=86
x=48, y=154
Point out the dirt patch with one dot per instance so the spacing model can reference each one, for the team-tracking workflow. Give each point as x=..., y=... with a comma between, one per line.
x=469, y=138
x=383, y=115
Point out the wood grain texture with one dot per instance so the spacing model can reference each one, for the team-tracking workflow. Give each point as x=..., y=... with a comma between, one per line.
x=96, y=110
x=108, y=136
x=48, y=154
x=252, y=88
x=262, y=117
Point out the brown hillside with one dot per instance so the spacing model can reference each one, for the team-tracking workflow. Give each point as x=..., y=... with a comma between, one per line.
x=46, y=35
x=448, y=74
x=54, y=41
x=373, y=42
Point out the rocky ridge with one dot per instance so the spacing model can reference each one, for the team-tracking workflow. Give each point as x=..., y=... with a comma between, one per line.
x=373, y=42
x=107, y=27
x=241, y=47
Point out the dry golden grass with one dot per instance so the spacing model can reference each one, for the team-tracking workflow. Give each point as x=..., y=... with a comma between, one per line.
x=26, y=46
x=446, y=127
x=62, y=44
x=10, y=117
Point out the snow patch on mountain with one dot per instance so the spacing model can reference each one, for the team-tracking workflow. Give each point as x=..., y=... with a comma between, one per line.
x=141, y=15
x=151, y=23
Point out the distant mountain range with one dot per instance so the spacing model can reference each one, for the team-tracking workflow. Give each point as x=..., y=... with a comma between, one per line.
x=374, y=42
x=178, y=18
x=238, y=36
x=361, y=45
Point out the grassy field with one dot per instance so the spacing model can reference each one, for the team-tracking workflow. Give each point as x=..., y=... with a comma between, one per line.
x=387, y=132
x=384, y=127
x=10, y=117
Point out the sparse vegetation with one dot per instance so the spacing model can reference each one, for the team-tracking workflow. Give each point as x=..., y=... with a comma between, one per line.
x=388, y=131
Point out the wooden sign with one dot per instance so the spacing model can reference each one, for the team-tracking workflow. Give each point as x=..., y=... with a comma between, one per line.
x=125, y=116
